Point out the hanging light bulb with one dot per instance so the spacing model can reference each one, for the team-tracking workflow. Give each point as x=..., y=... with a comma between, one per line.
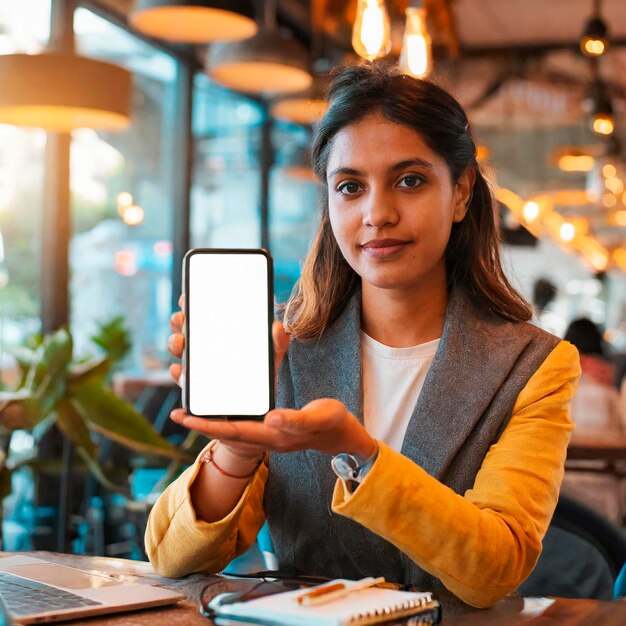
x=598, y=103
x=371, y=35
x=594, y=41
x=416, y=55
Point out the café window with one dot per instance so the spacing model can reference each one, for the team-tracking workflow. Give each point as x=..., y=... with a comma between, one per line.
x=22, y=153
x=293, y=200
x=225, y=194
x=121, y=248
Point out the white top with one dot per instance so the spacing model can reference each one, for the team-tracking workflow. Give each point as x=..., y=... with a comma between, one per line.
x=392, y=381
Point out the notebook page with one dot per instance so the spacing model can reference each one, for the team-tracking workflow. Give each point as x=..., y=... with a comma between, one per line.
x=283, y=608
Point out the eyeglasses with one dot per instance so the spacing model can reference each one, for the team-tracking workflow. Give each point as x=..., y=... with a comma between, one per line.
x=231, y=588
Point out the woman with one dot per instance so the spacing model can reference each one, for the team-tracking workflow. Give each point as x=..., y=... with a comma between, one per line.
x=409, y=351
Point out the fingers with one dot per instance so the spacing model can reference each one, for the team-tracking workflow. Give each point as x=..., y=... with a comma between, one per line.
x=175, y=372
x=317, y=416
x=177, y=321
x=181, y=302
x=251, y=433
x=176, y=345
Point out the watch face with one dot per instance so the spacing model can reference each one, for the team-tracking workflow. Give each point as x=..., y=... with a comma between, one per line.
x=345, y=466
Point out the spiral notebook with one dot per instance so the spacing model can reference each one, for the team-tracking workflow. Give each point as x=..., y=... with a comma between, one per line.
x=359, y=608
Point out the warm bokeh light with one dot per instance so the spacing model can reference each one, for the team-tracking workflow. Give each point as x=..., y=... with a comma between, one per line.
x=567, y=231
x=614, y=185
x=609, y=200
x=620, y=258
x=576, y=162
x=123, y=201
x=620, y=218
x=133, y=215
x=609, y=170
x=603, y=124
x=592, y=47
x=531, y=211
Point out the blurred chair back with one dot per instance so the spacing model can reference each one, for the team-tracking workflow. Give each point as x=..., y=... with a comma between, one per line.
x=583, y=554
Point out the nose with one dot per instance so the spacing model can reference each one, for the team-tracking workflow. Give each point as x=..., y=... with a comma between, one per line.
x=379, y=208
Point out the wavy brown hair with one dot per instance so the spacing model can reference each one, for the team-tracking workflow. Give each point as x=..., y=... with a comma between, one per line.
x=472, y=254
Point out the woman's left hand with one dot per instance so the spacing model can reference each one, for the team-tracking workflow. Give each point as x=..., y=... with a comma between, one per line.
x=325, y=425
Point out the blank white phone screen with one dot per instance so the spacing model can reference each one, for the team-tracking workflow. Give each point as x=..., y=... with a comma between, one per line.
x=228, y=343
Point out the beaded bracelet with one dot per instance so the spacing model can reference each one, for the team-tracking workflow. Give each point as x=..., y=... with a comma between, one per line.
x=207, y=458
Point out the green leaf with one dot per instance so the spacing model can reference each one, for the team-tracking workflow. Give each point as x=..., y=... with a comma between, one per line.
x=25, y=358
x=113, y=337
x=18, y=410
x=89, y=372
x=72, y=425
x=48, y=373
x=119, y=421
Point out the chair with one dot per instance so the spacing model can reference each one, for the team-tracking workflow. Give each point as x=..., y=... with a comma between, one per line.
x=583, y=554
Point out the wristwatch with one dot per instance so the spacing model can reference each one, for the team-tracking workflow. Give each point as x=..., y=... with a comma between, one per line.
x=351, y=468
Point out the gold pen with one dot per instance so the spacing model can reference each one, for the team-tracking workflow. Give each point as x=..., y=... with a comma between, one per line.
x=336, y=590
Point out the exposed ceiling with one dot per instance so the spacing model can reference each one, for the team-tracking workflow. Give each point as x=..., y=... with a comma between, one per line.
x=514, y=65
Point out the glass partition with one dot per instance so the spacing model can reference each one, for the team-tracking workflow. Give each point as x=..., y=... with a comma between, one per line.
x=121, y=249
x=225, y=195
x=293, y=199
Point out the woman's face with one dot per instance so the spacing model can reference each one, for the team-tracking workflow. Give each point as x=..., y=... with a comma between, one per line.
x=392, y=203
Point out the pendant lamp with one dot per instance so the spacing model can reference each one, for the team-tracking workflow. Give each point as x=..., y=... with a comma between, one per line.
x=306, y=108
x=62, y=91
x=270, y=63
x=194, y=21
x=595, y=38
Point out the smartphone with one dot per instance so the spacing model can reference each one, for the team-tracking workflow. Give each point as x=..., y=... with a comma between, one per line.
x=228, y=362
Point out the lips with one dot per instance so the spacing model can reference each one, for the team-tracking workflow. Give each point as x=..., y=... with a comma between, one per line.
x=384, y=248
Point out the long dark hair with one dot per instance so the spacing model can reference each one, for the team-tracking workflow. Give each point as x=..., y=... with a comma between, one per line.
x=472, y=254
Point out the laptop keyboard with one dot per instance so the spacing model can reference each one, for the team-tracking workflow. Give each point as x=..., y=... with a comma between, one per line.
x=29, y=597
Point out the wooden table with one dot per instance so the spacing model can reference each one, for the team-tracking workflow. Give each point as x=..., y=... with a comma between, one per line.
x=601, y=453
x=511, y=611
x=588, y=447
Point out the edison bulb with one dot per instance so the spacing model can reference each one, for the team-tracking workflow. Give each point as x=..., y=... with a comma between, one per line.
x=416, y=54
x=371, y=35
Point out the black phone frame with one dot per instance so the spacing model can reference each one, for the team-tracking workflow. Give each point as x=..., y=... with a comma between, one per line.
x=270, y=320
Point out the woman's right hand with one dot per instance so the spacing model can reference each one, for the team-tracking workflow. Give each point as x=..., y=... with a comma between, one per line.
x=176, y=345
x=176, y=342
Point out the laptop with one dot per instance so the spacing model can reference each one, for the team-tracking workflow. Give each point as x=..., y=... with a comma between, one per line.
x=34, y=591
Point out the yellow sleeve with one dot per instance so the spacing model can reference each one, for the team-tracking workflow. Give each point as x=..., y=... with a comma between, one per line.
x=178, y=543
x=484, y=544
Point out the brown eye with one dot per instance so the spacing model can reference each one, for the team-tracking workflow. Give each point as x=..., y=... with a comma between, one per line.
x=411, y=181
x=349, y=188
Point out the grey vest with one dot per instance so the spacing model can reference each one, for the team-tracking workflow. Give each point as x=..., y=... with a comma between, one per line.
x=481, y=365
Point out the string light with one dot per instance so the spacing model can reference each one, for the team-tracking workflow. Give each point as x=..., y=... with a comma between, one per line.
x=371, y=35
x=416, y=53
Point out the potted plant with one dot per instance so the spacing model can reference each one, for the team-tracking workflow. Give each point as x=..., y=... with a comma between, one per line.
x=75, y=395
